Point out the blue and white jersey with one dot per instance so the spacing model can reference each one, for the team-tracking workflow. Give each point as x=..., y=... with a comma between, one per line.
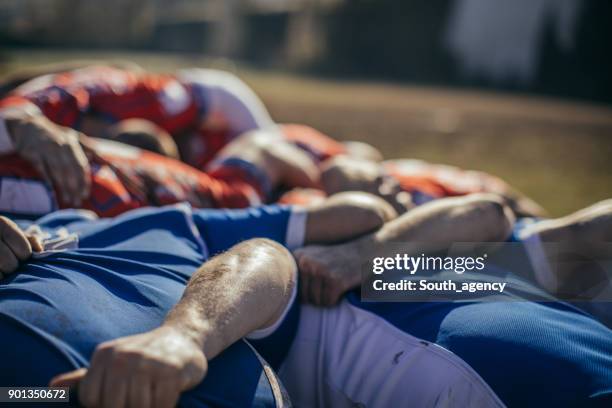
x=107, y=278
x=547, y=353
x=530, y=354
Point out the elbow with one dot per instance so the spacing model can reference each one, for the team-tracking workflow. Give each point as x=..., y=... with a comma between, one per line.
x=347, y=215
x=370, y=211
x=282, y=272
x=277, y=280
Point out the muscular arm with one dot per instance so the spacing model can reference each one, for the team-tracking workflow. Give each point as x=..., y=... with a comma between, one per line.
x=474, y=218
x=233, y=294
x=236, y=293
x=327, y=272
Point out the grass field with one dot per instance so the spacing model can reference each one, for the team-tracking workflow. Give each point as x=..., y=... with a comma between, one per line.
x=557, y=152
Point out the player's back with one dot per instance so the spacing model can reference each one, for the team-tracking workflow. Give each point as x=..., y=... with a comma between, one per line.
x=112, y=94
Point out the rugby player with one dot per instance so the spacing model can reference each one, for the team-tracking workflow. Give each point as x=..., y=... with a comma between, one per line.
x=245, y=172
x=73, y=284
x=124, y=177
x=94, y=98
x=406, y=183
x=529, y=354
x=203, y=111
x=373, y=354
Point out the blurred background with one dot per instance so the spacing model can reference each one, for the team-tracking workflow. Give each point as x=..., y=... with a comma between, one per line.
x=521, y=89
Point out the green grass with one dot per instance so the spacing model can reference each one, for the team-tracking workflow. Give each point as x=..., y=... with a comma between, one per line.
x=557, y=152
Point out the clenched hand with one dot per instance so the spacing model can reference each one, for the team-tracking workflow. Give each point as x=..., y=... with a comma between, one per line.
x=144, y=370
x=324, y=276
x=15, y=246
x=57, y=155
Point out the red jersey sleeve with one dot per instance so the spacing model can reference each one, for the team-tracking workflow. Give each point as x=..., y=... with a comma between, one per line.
x=61, y=105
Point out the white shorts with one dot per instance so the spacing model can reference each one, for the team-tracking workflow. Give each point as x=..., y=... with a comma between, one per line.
x=348, y=357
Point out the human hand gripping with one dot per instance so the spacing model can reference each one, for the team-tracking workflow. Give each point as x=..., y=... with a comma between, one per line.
x=144, y=370
x=55, y=152
x=15, y=246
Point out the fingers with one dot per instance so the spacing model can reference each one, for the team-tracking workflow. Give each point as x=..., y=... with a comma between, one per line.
x=139, y=394
x=15, y=239
x=331, y=295
x=319, y=290
x=69, y=171
x=38, y=163
x=8, y=261
x=304, y=277
x=67, y=168
x=14, y=246
x=35, y=243
x=136, y=392
x=165, y=394
x=90, y=388
x=70, y=379
x=83, y=181
x=145, y=370
x=61, y=161
x=115, y=390
x=304, y=287
x=320, y=284
x=315, y=286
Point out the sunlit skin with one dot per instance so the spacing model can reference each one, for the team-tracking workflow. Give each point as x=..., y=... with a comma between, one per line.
x=244, y=289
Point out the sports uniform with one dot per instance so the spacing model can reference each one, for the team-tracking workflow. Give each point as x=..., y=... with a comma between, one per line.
x=134, y=268
x=485, y=353
x=182, y=104
x=129, y=178
x=99, y=279
x=126, y=177
x=211, y=107
x=424, y=181
x=488, y=351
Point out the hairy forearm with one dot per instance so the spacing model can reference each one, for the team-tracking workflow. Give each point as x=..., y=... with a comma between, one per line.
x=235, y=293
x=327, y=272
x=230, y=296
x=436, y=226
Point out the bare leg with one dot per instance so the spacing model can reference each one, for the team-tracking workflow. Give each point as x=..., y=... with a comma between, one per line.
x=326, y=272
